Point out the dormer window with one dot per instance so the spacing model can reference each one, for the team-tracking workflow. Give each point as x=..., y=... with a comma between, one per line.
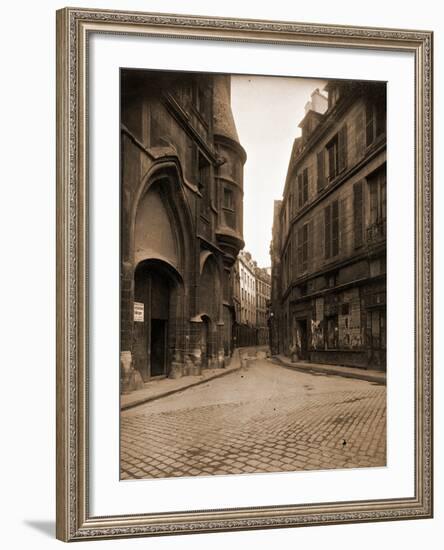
x=333, y=96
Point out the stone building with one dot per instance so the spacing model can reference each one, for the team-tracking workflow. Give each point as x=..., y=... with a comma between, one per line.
x=276, y=292
x=181, y=223
x=244, y=296
x=251, y=296
x=263, y=295
x=329, y=235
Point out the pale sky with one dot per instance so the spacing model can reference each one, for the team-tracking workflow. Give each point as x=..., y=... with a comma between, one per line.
x=267, y=111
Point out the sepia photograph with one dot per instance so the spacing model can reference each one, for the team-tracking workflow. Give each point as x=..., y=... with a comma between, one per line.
x=252, y=274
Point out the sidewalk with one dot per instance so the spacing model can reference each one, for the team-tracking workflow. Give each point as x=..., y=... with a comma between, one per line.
x=168, y=386
x=337, y=370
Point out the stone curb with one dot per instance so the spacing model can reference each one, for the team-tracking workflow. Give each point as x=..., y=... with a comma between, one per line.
x=358, y=374
x=143, y=400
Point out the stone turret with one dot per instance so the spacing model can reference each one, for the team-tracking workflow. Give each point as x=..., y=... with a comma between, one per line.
x=229, y=174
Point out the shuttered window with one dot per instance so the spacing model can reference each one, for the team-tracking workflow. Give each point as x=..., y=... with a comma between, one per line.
x=332, y=151
x=342, y=146
x=375, y=119
x=334, y=228
x=305, y=185
x=300, y=191
x=321, y=171
x=331, y=224
x=327, y=230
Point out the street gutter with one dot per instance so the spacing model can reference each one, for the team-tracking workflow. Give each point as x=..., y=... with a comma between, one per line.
x=333, y=370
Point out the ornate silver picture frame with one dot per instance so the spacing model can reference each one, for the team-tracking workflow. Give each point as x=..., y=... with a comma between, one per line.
x=75, y=520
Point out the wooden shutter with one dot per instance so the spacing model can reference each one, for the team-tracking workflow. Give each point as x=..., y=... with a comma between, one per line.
x=305, y=178
x=358, y=214
x=334, y=228
x=342, y=143
x=299, y=247
x=300, y=191
x=359, y=134
x=321, y=171
x=331, y=151
x=327, y=230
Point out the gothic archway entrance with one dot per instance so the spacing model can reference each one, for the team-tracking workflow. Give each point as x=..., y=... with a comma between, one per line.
x=156, y=287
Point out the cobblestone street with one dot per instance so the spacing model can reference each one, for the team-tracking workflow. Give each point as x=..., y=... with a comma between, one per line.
x=262, y=418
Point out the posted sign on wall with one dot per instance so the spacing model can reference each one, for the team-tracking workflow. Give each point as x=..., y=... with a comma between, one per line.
x=139, y=312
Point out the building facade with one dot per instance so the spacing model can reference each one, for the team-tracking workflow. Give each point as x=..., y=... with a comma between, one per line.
x=276, y=282
x=251, y=296
x=181, y=223
x=244, y=293
x=263, y=295
x=329, y=236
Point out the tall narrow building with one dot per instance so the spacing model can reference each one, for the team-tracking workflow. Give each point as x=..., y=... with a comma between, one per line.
x=329, y=235
x=181, y=223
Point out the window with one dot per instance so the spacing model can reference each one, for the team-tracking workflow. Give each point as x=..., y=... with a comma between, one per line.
x=321, y=170
x=378, y=196
x=337, y=153
x=342, y=148
x=203, y=180
x=358, y=204
x=332, y=153
x=331, y=225
x=303, y=187
x=200, y=99
x=333, y=96
x=228, y=199
x=375, y=120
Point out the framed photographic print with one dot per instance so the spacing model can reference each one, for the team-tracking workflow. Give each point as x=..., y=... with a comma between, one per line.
x=244, y=274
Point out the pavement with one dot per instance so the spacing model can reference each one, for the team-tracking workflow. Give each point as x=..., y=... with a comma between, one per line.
x=157, y=389
x=370, y=375
x=261, y=418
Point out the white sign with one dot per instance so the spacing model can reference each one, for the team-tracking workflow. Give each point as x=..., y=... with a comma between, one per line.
x=139, y=312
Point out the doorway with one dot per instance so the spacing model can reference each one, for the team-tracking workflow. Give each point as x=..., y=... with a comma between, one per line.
x=158, y=351
x=152, y=295
x=376, y=330
x=302, y=343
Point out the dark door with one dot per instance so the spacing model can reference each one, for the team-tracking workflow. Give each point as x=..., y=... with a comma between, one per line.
x=159, y=330
x=376, y=321
x=302, y=325
x=152, y=292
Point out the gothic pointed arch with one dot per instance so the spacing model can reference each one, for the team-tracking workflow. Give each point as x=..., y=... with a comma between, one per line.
x=161, y=220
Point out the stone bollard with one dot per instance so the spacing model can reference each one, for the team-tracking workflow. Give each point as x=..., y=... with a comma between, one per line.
x=131, y=378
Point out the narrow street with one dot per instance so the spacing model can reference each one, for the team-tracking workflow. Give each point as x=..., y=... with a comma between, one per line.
x=262, y=418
